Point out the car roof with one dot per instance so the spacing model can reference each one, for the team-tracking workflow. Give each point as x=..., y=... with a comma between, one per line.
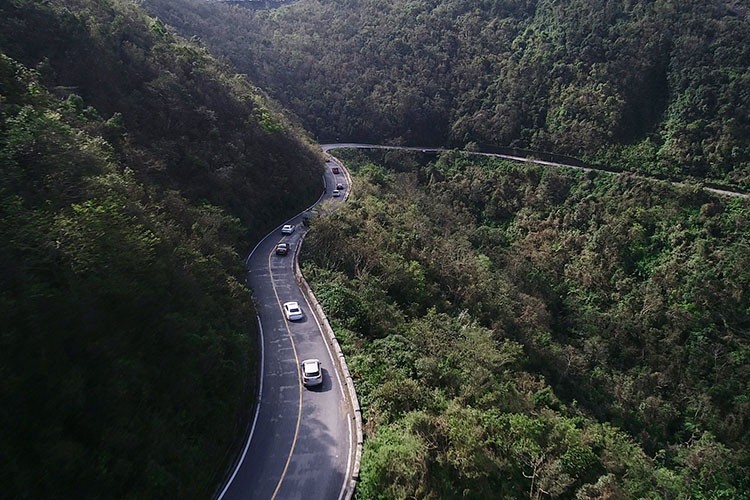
x=310, y=365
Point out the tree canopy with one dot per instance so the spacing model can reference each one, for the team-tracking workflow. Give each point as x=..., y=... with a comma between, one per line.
x=135, y=171
x=658, y=86
x=519, y=331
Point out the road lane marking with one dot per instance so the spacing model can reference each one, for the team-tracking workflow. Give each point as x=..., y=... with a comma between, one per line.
x=241, y=461
x=344, y=396
x=299, y=381
x=262, y=374
x=255, y=418
x=328, y=348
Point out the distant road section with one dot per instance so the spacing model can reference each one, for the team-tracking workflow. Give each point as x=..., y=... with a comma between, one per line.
x=528, y=158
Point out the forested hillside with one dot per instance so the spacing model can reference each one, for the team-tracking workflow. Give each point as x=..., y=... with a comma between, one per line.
x=135, y=171
x=660, y=86
x=521, y=332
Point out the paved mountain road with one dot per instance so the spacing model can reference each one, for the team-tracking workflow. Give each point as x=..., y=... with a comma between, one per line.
x=301, y=443
x=352, y=145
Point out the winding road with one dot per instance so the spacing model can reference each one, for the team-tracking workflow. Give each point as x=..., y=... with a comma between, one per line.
x=302, y=440
x=305, y=443
x=524, y=159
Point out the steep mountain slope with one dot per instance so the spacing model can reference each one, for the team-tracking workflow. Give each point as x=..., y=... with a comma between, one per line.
x=522, y=332
x=656, y=86
x=134, y=171
x=201, y=128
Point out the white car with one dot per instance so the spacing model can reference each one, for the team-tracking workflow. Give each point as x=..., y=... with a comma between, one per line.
x=336, y=193
x=287, y=229
x=292, y=311
x=312, y=373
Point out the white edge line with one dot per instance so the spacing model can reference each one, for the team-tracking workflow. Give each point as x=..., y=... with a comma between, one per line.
x=277, y=228
x=342, y=492
x=262, y=342
x=325, y=341
x=296, y=267
x=255, y=418
x=348, y=461
x=341, y=388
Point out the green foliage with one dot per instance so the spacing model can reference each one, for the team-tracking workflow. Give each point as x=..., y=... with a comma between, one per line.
x=123, y=317
x=660, y=87
x=133, y=168
x=542, y=333
x=186, y=121
x=393, y=465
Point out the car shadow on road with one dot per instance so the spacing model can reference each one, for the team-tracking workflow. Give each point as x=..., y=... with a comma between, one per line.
x=325, y=386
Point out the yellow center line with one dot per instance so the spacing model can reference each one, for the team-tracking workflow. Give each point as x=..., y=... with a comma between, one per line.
x=299, y=381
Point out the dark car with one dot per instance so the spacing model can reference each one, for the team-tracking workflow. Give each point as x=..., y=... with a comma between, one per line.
x=335, y=170
x=340, y=186
x=282, y=249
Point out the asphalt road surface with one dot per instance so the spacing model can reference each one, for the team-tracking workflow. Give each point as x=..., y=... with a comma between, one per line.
x=301, y=442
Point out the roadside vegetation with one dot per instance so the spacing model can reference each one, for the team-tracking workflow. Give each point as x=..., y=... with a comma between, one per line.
x=516, y=331
x=135, y=172
x=513, y=331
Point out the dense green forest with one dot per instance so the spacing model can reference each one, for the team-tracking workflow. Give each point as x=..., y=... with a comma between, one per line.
x=659, y=86
x=513, y=331
x=516, y=331
x=135, y=172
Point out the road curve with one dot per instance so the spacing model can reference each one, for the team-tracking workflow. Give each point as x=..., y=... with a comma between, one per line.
x=301, y=443
x=352, y=145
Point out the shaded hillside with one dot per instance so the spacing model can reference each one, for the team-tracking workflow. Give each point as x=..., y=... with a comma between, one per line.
x=186, y=121
x=521, y=332
x=134, y=171
x=655, y=86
